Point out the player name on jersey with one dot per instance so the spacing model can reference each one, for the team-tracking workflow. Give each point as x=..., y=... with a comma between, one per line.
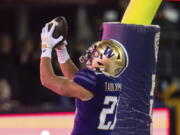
x=112, y=86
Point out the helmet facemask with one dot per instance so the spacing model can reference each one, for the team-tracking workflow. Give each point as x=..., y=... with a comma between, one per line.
x=91, y=57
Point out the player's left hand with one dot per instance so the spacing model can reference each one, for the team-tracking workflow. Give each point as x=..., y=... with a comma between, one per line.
x=47, y=40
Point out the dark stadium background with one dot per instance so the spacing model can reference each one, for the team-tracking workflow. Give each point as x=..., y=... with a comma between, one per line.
x=21, y=22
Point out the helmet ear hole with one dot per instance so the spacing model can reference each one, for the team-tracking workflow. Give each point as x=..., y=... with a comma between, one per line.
x=118, y=56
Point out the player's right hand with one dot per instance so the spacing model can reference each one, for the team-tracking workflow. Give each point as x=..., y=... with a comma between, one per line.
x=47, y=40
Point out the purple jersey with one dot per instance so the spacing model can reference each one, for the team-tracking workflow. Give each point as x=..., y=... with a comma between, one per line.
x=98, y=115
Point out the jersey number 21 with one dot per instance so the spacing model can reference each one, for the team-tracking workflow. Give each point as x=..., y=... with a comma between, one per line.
x=103, y=125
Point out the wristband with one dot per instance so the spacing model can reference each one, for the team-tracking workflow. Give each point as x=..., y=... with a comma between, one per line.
x=62, y=54
x=46, y=52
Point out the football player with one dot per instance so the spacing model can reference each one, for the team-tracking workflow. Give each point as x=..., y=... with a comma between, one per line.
x=96, y=87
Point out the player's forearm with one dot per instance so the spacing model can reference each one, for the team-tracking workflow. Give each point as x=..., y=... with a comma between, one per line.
x=57, y=84
x=46, y=71
x=69, y=69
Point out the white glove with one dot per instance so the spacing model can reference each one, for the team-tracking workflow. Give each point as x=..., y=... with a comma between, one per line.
x=47, y=41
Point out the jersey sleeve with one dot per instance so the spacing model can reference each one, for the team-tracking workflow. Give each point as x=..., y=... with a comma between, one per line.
x=86, y=79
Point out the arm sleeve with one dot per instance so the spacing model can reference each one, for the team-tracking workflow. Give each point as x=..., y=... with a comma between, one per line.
x=86, y=79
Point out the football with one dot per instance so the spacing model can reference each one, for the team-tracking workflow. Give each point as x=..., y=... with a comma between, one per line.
x=61, y=27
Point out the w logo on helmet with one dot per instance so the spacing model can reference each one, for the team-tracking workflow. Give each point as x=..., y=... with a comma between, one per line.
x=109, y=52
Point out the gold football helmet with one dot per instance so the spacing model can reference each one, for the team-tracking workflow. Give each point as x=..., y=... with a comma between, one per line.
x=106, y=56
